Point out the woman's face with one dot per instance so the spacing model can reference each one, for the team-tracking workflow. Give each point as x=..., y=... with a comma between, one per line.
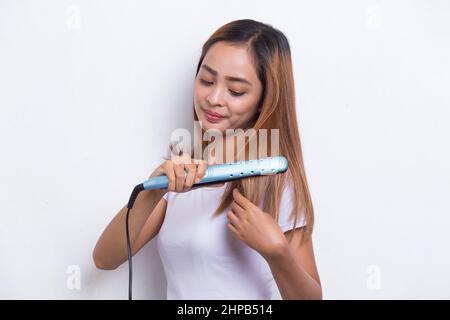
x=226, y=85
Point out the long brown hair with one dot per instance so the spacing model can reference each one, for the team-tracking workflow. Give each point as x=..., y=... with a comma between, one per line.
x=271, y=55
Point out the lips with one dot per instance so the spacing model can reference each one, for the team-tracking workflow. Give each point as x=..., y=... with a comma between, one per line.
x=213, y=114
x=213, y=117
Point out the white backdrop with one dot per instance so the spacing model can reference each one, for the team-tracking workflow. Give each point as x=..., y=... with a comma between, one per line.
x=91, y=90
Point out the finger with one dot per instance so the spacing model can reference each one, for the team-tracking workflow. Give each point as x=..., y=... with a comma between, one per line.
x=182, y=158
x=232, y=228
x=170, y=173
x=234, y=220
x=192, y=168
x=186, y=159
x=241, y=200
x=180, y=176
x=237, y=209
x=188, y=167
x=210, y=154
x=201, y=170
x=212, y=160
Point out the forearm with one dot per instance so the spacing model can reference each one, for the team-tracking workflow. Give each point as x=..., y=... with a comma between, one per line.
x=293, y=282
x=111, y=248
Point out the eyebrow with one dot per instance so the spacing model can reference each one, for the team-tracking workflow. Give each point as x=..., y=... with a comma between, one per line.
x=236, y=79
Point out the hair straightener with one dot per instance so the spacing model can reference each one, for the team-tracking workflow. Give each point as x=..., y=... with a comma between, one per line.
x=214, y=173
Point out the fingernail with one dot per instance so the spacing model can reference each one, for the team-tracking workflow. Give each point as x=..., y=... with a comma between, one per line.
x=197, y=180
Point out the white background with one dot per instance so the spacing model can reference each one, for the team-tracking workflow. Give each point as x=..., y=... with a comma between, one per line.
x=91, y=90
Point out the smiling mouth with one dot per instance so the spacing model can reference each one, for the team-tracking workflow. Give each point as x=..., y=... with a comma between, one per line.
x=212, y=118
x=213, y=115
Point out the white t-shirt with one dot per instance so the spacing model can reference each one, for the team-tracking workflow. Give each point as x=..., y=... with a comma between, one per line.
x=201, y=257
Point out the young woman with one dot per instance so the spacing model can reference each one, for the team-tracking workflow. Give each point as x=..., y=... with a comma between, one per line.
x=243, y=238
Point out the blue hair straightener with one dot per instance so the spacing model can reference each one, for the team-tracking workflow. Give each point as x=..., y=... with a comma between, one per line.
x=214, y=173
x=229, y=171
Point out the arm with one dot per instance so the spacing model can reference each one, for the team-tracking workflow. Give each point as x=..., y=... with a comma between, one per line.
x=292, y=265
x=294, y=269
x=111, y=248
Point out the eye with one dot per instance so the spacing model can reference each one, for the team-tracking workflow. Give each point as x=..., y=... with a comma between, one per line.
x=206, y=83
x=236, y=94
x=233, y=93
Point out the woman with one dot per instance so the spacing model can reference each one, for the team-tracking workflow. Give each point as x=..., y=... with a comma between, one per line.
x=239, y=239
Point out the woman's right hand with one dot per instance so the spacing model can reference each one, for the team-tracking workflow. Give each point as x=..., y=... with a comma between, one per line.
x=175, y=169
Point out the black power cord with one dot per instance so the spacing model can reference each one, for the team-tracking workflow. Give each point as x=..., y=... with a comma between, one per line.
x=134, y=194
x=133, y=197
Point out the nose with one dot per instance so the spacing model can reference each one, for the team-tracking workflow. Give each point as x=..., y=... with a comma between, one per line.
x=216, y=97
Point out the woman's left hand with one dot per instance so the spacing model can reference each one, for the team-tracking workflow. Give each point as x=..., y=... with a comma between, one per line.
x=255, y=227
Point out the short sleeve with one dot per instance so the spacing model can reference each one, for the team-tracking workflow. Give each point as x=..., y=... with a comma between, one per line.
x=166, y=196
x=285, y=220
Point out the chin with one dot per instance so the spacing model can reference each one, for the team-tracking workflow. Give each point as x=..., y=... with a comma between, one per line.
x=209, y=126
